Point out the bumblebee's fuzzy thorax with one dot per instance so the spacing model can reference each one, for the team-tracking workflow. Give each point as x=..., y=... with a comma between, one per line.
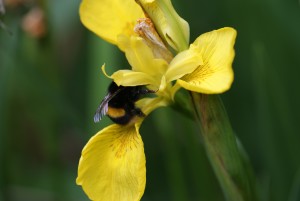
x=119, y=104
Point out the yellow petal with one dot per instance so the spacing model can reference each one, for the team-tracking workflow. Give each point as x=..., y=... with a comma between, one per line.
x=140, y=56
x=174, y=30
x=216, y=74
x=112, y=165
x=110, y=18
x=184, y=63
x=174, y=89
x=132, y=78
x=149, y=104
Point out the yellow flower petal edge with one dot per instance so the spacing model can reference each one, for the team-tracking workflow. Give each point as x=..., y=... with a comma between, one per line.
x=110, y=18
x=112, y=165
x=174, y=30
x=174, y=89
x=216, y=74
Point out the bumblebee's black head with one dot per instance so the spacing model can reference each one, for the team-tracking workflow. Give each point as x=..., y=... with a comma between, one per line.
x=119, y=103
x=113, y=87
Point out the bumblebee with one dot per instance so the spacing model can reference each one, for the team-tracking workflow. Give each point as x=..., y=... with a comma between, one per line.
x=119, y=103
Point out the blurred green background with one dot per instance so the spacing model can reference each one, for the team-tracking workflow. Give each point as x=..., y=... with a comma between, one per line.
x=51, y=84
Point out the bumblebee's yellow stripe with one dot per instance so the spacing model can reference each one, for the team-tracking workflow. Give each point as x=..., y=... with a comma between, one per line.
x=115, y=112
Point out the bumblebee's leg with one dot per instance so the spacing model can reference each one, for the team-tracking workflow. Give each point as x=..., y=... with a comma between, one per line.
x=138, y=112
x=138, y=93
x=146, y=91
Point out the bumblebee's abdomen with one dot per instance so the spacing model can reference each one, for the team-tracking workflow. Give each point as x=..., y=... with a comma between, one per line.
x=116, y=112
x=122, y=120
x=120, y=115
x=124, y=115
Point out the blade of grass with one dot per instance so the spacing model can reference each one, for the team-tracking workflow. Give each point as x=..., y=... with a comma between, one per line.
x=295, y=189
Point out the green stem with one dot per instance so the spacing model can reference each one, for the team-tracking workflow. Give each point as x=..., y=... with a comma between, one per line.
x=229, y=162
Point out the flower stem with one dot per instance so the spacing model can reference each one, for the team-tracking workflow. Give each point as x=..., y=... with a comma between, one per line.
x=225, y=154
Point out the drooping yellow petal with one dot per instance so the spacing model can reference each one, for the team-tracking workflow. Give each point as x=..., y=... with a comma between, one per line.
x=110, y=18
x=184, y=63
x=112, y=165
x=216, y=74
x=174, y=30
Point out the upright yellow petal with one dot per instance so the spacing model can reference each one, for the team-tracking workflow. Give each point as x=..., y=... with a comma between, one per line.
x=110, y=18
x=140, y=56
x=112, y=165
x=216, y=74
x=146, y=69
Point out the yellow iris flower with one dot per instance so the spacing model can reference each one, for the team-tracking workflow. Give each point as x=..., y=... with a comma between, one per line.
x=206, y=67
x=112, y=165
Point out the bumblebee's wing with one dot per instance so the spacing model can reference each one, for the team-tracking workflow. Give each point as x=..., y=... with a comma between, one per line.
x=103, y=107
